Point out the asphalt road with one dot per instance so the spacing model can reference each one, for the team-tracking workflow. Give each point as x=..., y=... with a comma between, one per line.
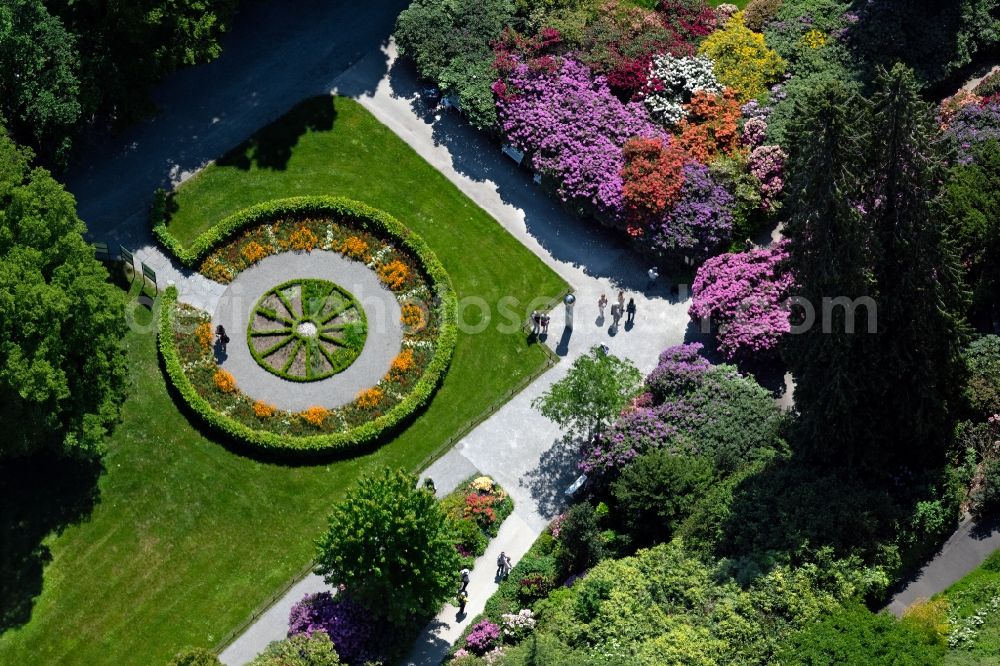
x=276, y=54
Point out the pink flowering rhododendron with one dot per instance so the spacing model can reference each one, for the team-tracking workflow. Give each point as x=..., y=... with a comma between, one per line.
x=574, y=129
x=767, y=164
x=744, y=295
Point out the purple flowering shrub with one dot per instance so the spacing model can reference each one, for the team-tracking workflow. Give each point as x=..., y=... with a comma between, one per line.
x=972, y=125
x=745, y=296
x=574, y=129
x=767, y=164
x=346, y=622
x=679, y=371
x=483, y=637
x=701, y=220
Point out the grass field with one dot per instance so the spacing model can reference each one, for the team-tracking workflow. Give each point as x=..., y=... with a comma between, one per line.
x=186, y=538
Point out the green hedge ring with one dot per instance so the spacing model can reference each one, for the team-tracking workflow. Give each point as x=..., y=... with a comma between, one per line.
x=306, y=330
x=360, y=437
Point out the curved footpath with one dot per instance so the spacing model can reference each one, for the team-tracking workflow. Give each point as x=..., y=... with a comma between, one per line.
x=385, y=334
x=516, y=445
x=961, y=553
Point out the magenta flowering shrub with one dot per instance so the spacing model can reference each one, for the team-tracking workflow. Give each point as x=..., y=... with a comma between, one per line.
x=701, y=220
x=633, y=433
x=484, y=636
x=347, y=624
x=970, y=126
x=754, y=132
x=745, y=296
x=574, y=129
x=680, y=370
x=767, y=164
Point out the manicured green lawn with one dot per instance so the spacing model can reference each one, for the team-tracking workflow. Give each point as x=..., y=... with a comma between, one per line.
x=188, y=538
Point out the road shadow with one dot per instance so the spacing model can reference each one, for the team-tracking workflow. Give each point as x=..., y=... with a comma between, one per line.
x=429, y=648
x=271, y=147
x=39, y=497
x=985, y=528
x=555, y=472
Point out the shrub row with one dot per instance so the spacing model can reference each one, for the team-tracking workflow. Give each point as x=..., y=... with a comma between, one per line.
x=362, y=436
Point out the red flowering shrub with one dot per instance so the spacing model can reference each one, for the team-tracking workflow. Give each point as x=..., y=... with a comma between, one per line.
x=687, y=21
x=480, y=507
x=711, y=126
x=653, y=176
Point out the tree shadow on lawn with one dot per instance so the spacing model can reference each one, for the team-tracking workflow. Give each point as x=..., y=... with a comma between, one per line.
x=39, y=497
x=555, y=472
x=271, y=147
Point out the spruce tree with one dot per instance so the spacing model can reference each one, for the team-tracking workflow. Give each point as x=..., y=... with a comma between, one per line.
x=830, y=256
x=917, y=370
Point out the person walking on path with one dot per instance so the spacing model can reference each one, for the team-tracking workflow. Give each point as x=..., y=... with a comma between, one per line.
x=220, y=333
x=616, y=315
x=630, y=309
x=601, y=304
x=463, y=598
x=465, y=580
x=621, y=301
x=653, y=274
x=536, y=320
x=545, y=324
x=503, y=565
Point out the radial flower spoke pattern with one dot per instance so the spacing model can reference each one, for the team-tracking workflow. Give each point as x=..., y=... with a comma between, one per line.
x=304, y=330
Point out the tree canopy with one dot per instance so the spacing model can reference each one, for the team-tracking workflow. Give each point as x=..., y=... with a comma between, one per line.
x=392, y=547
x=62, y=365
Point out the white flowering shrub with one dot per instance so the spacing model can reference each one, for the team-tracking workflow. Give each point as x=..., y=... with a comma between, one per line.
x=515, y=626
x=672, y=81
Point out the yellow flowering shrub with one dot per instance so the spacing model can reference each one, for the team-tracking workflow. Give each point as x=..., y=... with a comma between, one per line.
x=224, y=381
x=203, y=332
x=930, y=617
x=355, y=248
x=303, y=239
x=814, y=39
x=394, y=274
x=412, y=316
x=483, y=484
x=213, y=269
x=263, y=410
x=370, y=398
x=253, y=252
x=741, y=59
x=315, y=415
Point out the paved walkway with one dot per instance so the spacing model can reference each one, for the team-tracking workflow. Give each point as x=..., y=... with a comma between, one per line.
x=385, y=335
x=516, y=445
x=962, y=552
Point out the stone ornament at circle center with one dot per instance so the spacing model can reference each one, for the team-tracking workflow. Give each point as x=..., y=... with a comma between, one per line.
x=306, y=330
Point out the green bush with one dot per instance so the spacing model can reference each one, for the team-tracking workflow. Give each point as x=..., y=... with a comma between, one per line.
x=982, y=389
x=986, y=498
x=580, y=544
x=365, y=435
x=470, y=536
x=656, y=492
x=989, y=85
x=759, y=13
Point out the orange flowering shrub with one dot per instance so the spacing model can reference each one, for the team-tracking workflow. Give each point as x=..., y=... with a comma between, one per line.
x=401, y=364
x=370, y=398
x=263, y=410
x=315, y=415
x=253, y=252
x=303, y=239
x=355, y=248
x=394, y=273
x=412, y=316
x=203, y=332
x=711, y=126
x=224, y=381
x=213, y=269
x=652, y=176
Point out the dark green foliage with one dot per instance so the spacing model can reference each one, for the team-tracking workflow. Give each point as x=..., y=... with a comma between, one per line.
x=299, y=650
x=982, y=389
x=541, y=649
x=657, y=491
x=392, y=545
x=863, y=225
x=450, y=43
x=195, y=657
x=854, y=636
x=580, y=544
x=748, y=218
x=62, y=367
x=986, y=498
x=971, y=204
x=39, y=76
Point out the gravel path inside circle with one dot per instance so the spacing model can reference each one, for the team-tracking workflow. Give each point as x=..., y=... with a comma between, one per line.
x=385, y=335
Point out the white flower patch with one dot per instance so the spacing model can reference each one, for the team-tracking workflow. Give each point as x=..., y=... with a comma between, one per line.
x=270, y=236
x=377, y=257
x=328, y=242
x=418, y=344
x=672, y=82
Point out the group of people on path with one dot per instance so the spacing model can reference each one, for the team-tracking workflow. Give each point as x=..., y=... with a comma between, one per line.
x=503, y=570
x=618, y=309
x=539, y=322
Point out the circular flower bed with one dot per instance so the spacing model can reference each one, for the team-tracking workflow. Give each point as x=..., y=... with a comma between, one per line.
x=403, y=263
x=306, y=329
